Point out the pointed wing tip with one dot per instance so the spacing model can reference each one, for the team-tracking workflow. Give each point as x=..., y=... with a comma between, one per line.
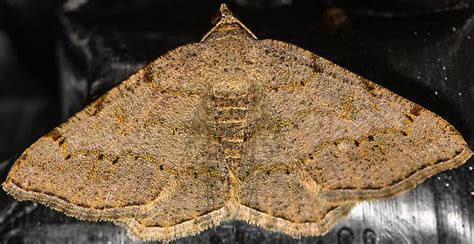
x=6, y=186
x=469, y=152
x=12, y=190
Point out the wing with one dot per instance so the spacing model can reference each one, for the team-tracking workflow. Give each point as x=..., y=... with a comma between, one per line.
x=285, y=198
x=355, y=139
x=137, y=151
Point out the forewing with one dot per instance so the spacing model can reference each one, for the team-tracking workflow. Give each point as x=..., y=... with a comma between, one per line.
x=128, y=151
x=356, y=139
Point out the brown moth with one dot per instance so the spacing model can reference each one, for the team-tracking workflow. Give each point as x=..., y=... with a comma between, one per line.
x=235, y=128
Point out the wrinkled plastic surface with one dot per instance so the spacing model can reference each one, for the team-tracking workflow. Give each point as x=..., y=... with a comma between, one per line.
x=56, y=57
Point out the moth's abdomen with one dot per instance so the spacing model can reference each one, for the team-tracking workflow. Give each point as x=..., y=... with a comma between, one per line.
x=229, y=113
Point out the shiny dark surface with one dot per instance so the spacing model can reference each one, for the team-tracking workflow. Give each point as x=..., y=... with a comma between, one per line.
x=55, y=57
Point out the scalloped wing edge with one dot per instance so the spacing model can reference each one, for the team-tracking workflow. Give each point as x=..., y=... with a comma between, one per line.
x=404, y=185
x=230, y=212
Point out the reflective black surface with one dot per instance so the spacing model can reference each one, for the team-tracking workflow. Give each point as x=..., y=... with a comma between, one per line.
x=55, y=57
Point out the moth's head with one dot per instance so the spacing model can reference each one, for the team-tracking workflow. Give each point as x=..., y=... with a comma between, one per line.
x=228, y=25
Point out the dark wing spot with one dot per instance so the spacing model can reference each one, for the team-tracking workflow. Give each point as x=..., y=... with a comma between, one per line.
x=54, y=134
x=416, y=109
x=97, y=105
x=61, y=141
x=368, y=85
x=23, y=157
x=148, y=74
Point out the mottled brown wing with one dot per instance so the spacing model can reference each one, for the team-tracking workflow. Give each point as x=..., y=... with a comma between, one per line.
x=140, y=150
x=284, y=198
x=355, y=139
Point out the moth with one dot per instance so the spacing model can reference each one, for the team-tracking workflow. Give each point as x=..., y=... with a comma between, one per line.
x=235, y=128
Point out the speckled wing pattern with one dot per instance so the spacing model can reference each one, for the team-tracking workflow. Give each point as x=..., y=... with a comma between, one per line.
x=235, y=128
x=133, y=153
x=355, y=139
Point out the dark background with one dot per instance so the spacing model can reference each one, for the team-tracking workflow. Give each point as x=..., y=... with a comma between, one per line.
x=56, y=56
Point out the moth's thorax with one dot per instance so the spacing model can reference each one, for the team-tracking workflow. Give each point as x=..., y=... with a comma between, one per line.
x=229, y=86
